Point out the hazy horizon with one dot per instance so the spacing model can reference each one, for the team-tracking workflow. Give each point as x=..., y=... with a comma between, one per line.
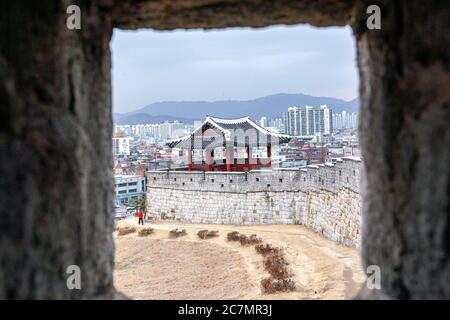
x=212, y=101
x=231, y=64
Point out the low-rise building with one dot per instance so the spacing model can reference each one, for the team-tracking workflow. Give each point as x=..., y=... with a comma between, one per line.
x=128, y=187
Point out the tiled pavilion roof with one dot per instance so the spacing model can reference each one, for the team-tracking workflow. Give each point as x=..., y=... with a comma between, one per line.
x=217, y=132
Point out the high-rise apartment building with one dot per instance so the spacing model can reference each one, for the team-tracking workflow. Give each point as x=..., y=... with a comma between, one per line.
x=263, y=122
x=121, y=146
x=345, y=120
x=308, y=121
x=278, y=124
x=291, y=123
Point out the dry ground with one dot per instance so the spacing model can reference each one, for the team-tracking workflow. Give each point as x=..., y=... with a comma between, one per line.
x=156, y=267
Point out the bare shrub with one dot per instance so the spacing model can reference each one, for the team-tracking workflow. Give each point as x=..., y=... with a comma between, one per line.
x=268, y=249
x=252, y=240
x=233, y=236
x=276, y=266
x=176, y=233
x=202, y=234
x=268, y=285
x=243, y=239
x=145, y=232
x=212, y=234
x=289, y=284
x=255, y=239
x=126, y=230
x=206, y=234
x=271, y=285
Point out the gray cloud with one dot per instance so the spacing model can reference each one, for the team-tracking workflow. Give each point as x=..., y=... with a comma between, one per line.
x=150, y=66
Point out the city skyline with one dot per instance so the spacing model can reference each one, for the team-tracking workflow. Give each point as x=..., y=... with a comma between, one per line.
x=296, y=121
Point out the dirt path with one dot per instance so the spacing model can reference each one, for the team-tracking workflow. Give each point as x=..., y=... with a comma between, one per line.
x=156, y=267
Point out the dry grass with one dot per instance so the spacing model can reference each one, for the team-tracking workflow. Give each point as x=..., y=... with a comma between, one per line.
x=143, y=232
x=176, y=233
x=125, y=230
x=187, y=269
x=207, y=234
x=154, y=267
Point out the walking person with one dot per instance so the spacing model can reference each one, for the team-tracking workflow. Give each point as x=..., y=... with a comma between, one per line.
x=141, y=217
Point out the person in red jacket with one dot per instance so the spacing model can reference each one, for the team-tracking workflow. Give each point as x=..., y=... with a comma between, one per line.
x=141, y=217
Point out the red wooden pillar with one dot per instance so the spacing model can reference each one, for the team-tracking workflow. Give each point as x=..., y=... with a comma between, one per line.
x=229, y=157
x=269, y=155
x=189, y=152
x=249, y=158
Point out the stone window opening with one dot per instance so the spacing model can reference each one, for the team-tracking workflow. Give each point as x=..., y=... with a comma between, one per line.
x=65, y=87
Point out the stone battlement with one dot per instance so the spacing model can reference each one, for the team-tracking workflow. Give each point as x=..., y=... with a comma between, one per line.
x=323, y=197
x=344, y=174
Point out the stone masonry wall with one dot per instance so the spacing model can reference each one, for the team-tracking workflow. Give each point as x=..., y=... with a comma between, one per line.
x=55, y=138
x=324, y=198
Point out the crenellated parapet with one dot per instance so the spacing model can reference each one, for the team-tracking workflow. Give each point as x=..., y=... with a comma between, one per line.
x=345, y=173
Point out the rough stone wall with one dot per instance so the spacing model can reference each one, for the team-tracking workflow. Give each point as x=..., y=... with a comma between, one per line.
x=56, y=190
x=186, y=14
x=405, y=137
x=56, y=186
x=324, y=198
x=55, y=108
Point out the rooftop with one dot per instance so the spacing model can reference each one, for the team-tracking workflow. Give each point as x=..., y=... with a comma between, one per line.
x=218, y=132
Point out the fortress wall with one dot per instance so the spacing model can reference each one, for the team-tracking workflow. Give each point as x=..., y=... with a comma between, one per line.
x=324, y=198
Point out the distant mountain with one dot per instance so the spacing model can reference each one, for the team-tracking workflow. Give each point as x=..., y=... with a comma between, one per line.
x=352, y=105
x=271, y=106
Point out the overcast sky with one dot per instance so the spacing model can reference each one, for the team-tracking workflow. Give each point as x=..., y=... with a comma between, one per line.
x=231, y=64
